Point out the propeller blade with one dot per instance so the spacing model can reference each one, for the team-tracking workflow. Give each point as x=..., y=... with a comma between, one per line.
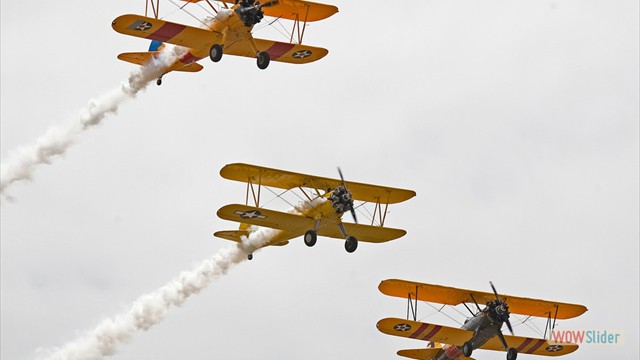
x=509, y=326
x=494, y=290
x=341, y=177
x=503, y=340
x=270, y=3
x=353, y=213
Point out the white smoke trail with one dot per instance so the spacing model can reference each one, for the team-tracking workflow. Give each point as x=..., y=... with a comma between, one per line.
x=23, y=162
x=150, y=309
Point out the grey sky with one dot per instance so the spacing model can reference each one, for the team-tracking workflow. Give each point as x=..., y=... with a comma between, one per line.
x=515, y=122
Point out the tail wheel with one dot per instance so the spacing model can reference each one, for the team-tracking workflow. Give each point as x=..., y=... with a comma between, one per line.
x=351, y=244
x=159, y=81
x=250, y=257
x=263, y=60
x=215, y=53
x=512, y=354
x=310, y=238
x=467, y=349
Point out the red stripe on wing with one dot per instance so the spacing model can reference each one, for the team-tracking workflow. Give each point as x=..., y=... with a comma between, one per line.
x=278, y=49
x=188, y=58
x=166, y=32
x=432, y=332
x=535, y=347
x=524, y=343
x=422, y=328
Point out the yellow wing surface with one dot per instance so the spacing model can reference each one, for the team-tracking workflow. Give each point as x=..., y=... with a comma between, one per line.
x=201, y=40
x=165, y=31
x=457, y=337
x=294, y=10
x=297, y=225
x=425, y=354
x=260, y=175
x=454, y=296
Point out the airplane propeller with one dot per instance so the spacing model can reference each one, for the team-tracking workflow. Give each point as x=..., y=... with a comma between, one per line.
x=250, y=11
x=349, y=204
x=504, y=313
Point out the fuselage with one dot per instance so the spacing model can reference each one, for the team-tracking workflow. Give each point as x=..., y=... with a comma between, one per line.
x=321, y=211
x=226, y=22
x=484, y=329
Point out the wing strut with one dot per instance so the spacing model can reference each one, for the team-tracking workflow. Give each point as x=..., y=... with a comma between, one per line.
x=155, y=7
x=410, y=305
x=296, y=25
x=256, y=200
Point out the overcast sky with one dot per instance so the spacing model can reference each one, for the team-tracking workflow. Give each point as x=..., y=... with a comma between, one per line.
x=516, y=122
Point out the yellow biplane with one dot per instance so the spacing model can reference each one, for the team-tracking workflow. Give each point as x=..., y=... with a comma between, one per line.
x=324, y=201
x=227, y=31
x=481, y=331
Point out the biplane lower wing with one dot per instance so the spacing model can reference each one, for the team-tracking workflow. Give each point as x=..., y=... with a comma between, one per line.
x=366, y=233
x=533, y=346
x=425, y=354
x=457, y=337
x=165, y=31
x=296, y=225
x=290, y=223
x=143, y=58
x=423, y=331
x=278, y=51
x=454, y=296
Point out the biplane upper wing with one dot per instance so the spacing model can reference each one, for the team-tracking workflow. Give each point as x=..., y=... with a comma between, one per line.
x=453, y=296
x=165, y=31
x=294, y=9
x=423, y=331
x=533, y=346
x=260, y=175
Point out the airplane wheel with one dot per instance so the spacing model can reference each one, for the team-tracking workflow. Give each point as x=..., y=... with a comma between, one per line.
x=263, y=60
x=250, y=256
x=512, y=354
x=351, y=244
x=159, y=81
x=215, y=53
x=467, y=349
x=310, y=238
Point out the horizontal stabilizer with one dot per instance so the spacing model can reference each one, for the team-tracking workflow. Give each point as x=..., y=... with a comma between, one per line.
x=143, y=58
x=425, y=354
x=236, y=235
